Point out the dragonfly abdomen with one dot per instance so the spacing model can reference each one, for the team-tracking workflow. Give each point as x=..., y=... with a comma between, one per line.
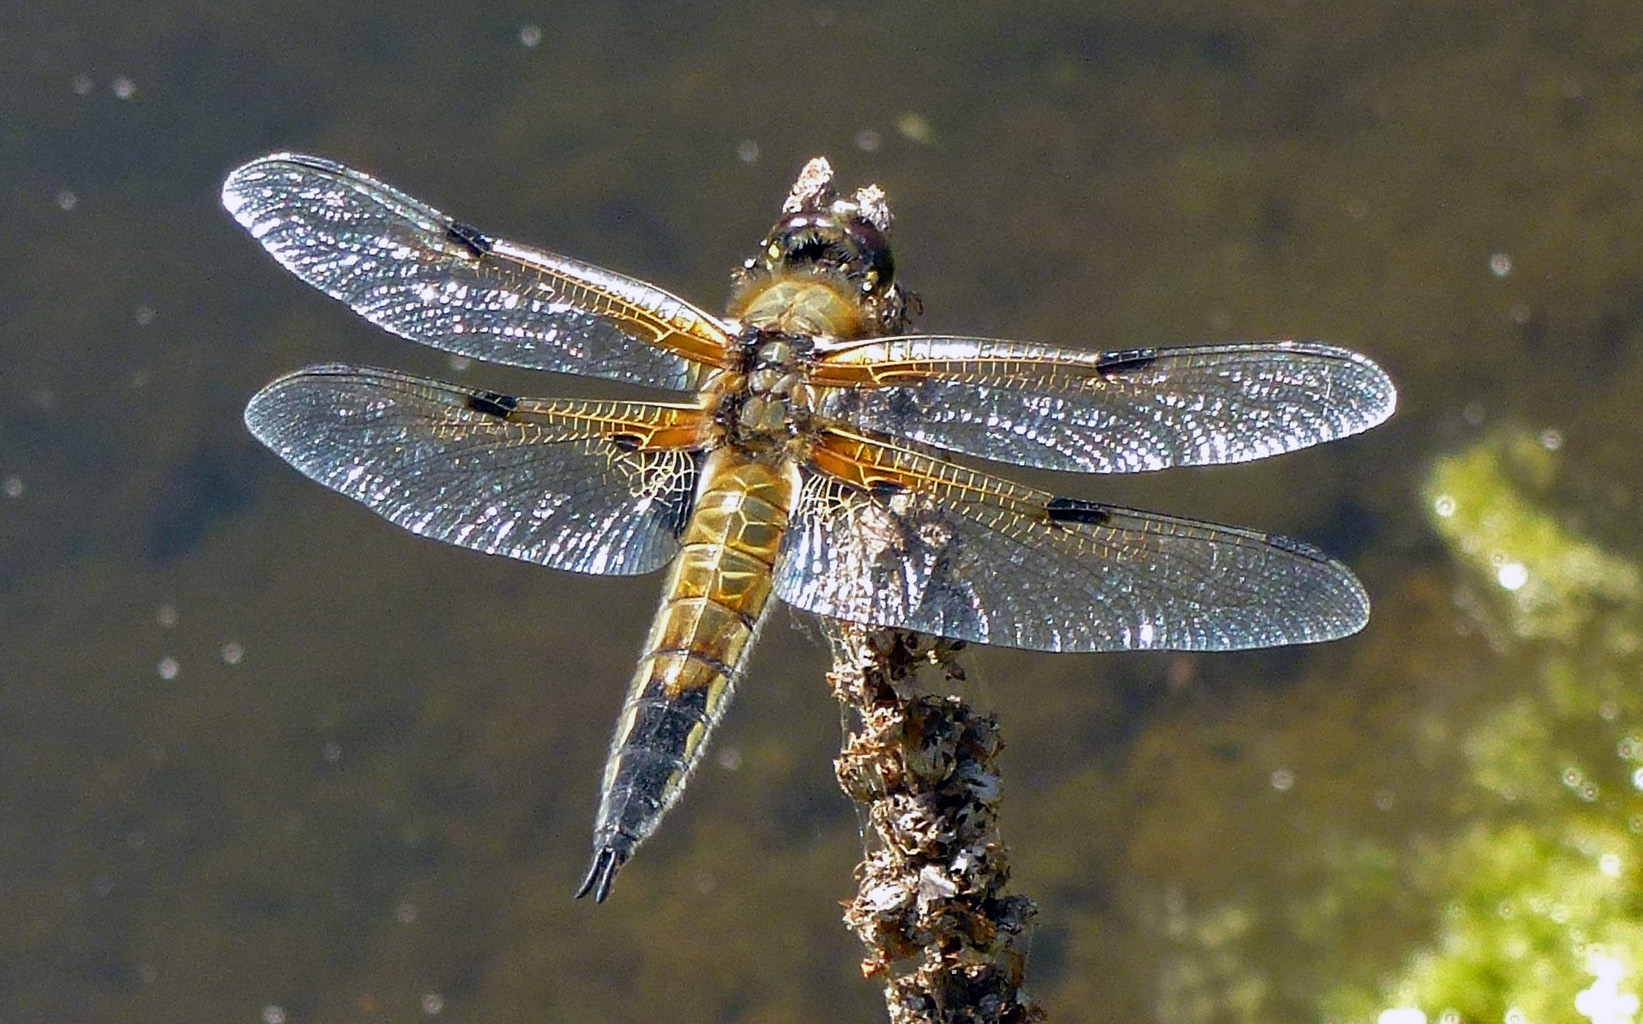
x=717, y=592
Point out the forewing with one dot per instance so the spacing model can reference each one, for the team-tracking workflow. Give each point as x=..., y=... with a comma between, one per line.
x=591, y=487
x=407, y=267
x=1112, y=412
x=890, y=537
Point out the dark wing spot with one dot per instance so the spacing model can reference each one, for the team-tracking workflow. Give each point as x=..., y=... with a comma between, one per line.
x=1296, y=547
x=1071, y=510
x=907, y=404
x=1125, y=360
x=490, y=403
x=470, y=238
x=626, y=442
x=884, y=490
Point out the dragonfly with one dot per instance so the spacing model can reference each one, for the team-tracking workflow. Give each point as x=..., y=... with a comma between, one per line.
x=813, y=451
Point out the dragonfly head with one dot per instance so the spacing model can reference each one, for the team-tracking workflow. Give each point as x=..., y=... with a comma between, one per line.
x=835, y=253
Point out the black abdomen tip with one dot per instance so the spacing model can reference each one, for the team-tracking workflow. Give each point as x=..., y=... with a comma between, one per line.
x=601, y=873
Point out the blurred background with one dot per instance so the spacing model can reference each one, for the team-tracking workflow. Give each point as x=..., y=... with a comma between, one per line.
x=266, y=759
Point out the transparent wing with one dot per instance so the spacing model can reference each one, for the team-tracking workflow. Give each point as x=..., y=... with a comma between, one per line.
x=407, y=267
x=1111, y=412
x=586, y=486
x=891, y=537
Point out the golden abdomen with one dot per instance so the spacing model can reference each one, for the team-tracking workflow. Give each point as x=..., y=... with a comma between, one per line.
x=717, y=592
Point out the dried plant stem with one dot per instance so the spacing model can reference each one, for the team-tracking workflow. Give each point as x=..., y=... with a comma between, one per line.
x=931, y=908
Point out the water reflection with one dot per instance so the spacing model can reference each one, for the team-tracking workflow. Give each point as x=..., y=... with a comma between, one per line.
x=1538, y=887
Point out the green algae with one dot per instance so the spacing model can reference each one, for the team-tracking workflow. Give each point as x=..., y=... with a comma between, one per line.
x=1540, y=891
x=1489, y=505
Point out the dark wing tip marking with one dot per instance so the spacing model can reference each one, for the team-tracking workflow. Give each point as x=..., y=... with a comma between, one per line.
x=1297, y=547
x=470, y=238
x=1072, y=510
x=1125, y=360
x=601, y=873
x=491, y=403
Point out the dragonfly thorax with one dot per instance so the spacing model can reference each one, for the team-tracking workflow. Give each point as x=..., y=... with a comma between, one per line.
x=803, y=303
x=764, y=406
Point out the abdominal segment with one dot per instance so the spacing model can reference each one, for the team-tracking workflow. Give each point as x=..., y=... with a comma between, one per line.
x=717, y=592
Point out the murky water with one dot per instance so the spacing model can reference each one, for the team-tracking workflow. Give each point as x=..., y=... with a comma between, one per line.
x=265, y=759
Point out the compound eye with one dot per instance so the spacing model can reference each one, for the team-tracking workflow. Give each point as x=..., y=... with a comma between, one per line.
x=873, y=248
